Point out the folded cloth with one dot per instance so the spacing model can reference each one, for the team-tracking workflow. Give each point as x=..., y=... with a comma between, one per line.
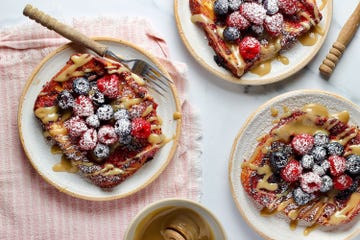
x=30, y=208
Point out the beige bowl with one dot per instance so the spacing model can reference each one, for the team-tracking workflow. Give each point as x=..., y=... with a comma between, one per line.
x=160, y=207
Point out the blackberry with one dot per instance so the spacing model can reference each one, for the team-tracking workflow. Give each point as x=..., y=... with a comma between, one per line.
x=65, y=100
x=301, y=197
x=321, y=139
x=277, y=146
x=105, y=112
x=121, y=113
x=307, y=161
x=319, y=154
x=231, y=34
x=81, y=86
x=221, y=7
x=271, y=6
x=278, y=161
x=326, y=184
x=123, y=130
x=353, y=164
x=96, y=96
x=335, y=148
x=234, y=5
x=101, y=151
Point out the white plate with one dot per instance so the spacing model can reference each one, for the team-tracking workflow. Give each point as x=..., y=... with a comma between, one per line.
x=38, y=151
x=195, y=41
x=260, y=123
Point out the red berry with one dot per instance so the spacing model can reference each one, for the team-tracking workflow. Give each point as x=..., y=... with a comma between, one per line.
x=75, y=126
x=235, y=19
x=140, y=128
x=337, y=165
x=107, y=135
x=342, y=182
x=88, y=140
x=310, y=182
x=253, y=12
x=109, y=85
x=83, y=106
x=292, y=171
x=249, y=48
x=274, y=24
x=302, y=143
x=288, y=6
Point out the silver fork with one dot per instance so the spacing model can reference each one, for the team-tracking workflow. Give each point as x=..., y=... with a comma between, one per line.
x=151, y=74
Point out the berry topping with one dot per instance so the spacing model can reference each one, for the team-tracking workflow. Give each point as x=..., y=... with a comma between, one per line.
x=88, y=140
x=343, y=194
x=278, y=160
x=121, y=113
x=234, y=4
x=271, y=6
x=109, y=85
x=307, y=161
x=107, y=135
x=101, y=151
x=288, y=6
x=319, y=154
x=221, y=7
x=231, y=34
x=342, y=182
x=310, y=182
x=83, y=106
x=81, y=86
x=319, y=170
x=258, y=29
x=274, y=24
x=93, y=121
x=237, y=20
x=123, y=130
x=96, y=96
x=335, y=148
x=292, y=171
x=337, y=165
x=253, y=12
x=75, y=126
x=321, y=139
x=302, y=143
x=140, y=128
x=249, y=48
x=301, y=197
x=105, y=112
x=353, y=164
x=65, y=100
x=326, y=184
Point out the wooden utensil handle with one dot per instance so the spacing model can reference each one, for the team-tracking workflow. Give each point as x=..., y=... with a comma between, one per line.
x=338, y=48
x=63, y=29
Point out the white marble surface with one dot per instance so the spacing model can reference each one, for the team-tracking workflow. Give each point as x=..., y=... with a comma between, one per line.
x=223, y=107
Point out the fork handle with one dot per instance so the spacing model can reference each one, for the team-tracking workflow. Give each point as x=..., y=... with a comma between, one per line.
x=64, y=30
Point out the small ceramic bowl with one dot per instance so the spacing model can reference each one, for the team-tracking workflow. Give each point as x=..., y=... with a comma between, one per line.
x=161, y=207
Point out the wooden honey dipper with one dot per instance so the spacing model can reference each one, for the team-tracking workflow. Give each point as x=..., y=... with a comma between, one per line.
x=338, y=48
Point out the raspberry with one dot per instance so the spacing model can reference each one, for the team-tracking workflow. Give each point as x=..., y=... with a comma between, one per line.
x=274, y=24
x=302, y=143
x=278, y=161
x=101, y=151
x=237, y=20
x=288, y=6
x=292, y=171
x=109, y=85
x=335, y=148
x=75, y=126
x=107, y=135
x=253, y=12
x=310, y=182
x=249, y=48
x=140, y=128
x=337, y=165
x=353, y=164
x=81, y=86
x=83, y=106
x=342, y=182
x=88, y=140
x=105, y=112
x=65, y=100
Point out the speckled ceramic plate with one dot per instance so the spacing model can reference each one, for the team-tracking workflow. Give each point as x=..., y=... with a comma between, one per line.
x=260, y=123
x=39, y=153
x=299, y=56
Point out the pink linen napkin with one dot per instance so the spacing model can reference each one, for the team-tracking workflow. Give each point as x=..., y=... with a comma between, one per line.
x=30, y=208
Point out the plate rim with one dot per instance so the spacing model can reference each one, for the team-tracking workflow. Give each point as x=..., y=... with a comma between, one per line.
x=229, y=77
x=175, y=139
x=251, y=117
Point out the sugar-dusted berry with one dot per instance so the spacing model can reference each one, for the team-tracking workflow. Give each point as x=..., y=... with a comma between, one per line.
x=342, y=182
x=274, y=24
x=109, y=85
x=231, y=34
x=337, y=165
x=221, y=7
x=335, y=148
x=249, y=48
x=234, y=4
x=292, y=171
x=96, y=96
x=65, y=100
x=301, y=197
x=353, y=164
x=253, y=12
x=121, y=113
x=326, y=183
x=271, y=6
x=140, y=128
x=321, y=139
x=235, y=19
x=107, y=135
x=93, y=121
x=278, y=161
x=319, y=170
x=123, y=130
x=302, y=143
x=88, y=140
x=83, y=106
x=101, y=151
x=319, y=153
x=310, y=182
x=76, y=126
x=105, y=112
x=307, y=161
x=288, y=6
x=81, y=86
